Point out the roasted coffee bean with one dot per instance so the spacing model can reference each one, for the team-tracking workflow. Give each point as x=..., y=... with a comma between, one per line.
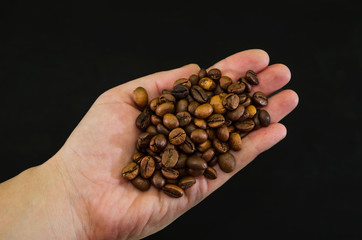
x=186, y=182
x=170, y=173
x=141, y=184
x=248, y=86
x=189, y=128
x=158, y=180
x=247, y=101
x=155, y=120
x=167, y=97
x=158, y=143
x=215, y=120
x=199, y=94
x=137, y=157
x=181, y=105
x=251, y=109
x=202, y=147
x=204, y=110
x=226, y=162
x=225, y=82
x=200, y=123
x=213, y=162
x=158, y=162
x=170, y=157
x=177, y=136
x=172, y=181
x=162, y=129
x=181, y=163
x=235, y=141
x=162, y=109
x=211, y=133
x=231, y=128
x=251, y=77
x=243, y=117
x=208, y=154
x=214, y=74
x=140, y=97
x=183, y=81
x=154, y=103
x=245, y=126
x=220, y=146
x=195, y=172
x=260, y=99
x=198, y=136
x=256, y=120
x=242, y=98
x=202, y=73
x=173, y=190
x=147, y=167
x=194, y=79
x=236, y=87
x=207, y=83
x=170, y=121
x=230, y=101
x=192, y=107
x=218, y=89
x=184, y=118
x=217, y=104
x=235, y=115
x=143, y=141
x=130, y=171
x=222, y=133
x=195, y=162
x=144, y=119
x=180, y=91
x=151, y=130
x=210, y=173
x=264, y=118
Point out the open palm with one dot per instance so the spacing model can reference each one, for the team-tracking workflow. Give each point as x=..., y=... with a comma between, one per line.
x=102, y=144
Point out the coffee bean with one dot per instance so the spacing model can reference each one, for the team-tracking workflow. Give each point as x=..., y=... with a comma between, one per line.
x=158, y=180
x=217, y=104
x=225, y=81
x=248, y=86
x=214, y=74
x=202, y=147
x=222, y=133
x=235, y=141
x=170, y=157
x=162, y=129
x=189, y=128
x=247, y=101
x=170, y=121
x=184, y=118
x=199, y=94
x=158, y=143
x=245, y=126
x=211, y=133
x=200, y=123
x=194, y=79
x=204, y=110
x=173, y=190
x=230, y=101
x=192, y=107
x=140, y=97
x=143, y=141
x=130, y=171
x=162, y=109
x=210, y=173
x=251, y=77
x=260, y=99
x=180, y=91
x=251, y=109
x=141, y=183
x=151, y=130
x=207, y=84
x=226, y=162
x=181, y=163
x=181, y=105
x=220, y=146
x=183, y=81
x=147, y=167
x=198, y=136
x=215, y=120
x=169, y=173
x=186, y=182
x=166, y=97
x=208, y=154
x=195, y=162
x=177, y=136
x=187, y=146
x=264, y=118
x=256, y=120
x=235, y=115
x=202, y=73
x=236, y=87
x=144, y=119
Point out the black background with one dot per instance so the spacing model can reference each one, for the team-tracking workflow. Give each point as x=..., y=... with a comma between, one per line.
x=56, y=57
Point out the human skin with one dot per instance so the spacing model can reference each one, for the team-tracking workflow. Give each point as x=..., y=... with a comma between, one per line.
x=79, y=193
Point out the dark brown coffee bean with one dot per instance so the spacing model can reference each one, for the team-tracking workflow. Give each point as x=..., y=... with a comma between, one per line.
x=230, y=101
x=158, y=143
x=194, y=79
x=167, y=97
x=235, y=141
x=184, y=118
x=144, y=119
x=177, y=136
x=215, y=120
x=162, y=129
x=158, y=161
x=169, y=173
x=137, y=157
x=264, y=118
x=213, y=161
x=141, y=183
x=216, y=103
x=195, y=172
x=147, y=167
x=155, y=120
x=211, y=133
x=180, y=91
x=154, y=103
x=202, y=73
x=158, y=180
x=198, y=136
x=151, y=130
x=256, y=120
x=186, y=182
x=260, y=99
x=181, y=163
x=203, y=111
x=143, y=141
x=140, y=97
x=225, y=81
x=210, y=173
x=247, y=102
x=242, y=98
x=218, y=90
x=192, y=107
x=248, y=86
x=236, y=87
x=130, y=171
x=207, y=84
x=181, y=105
x=251, y=77
x=245, y=126
x=162, y=109
x=226, y=162
x=173, y=190
x=199, y=94
x=202, y=147
x=189, y=98
x=170, y=157
x=172, y=181
x=235, y=114
x=214, y=74
x=189, y=128
x=183, y=81
x=200, y=123
x=195, y=162
x=222, y=133
x=187, y=146
x=220, y=146
x=170, y=121
x=208, y=154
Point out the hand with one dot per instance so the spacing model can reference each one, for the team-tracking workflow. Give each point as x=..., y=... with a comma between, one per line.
x=106, y=206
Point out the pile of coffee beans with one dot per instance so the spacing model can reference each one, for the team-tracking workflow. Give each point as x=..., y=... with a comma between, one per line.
x=188, y=130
